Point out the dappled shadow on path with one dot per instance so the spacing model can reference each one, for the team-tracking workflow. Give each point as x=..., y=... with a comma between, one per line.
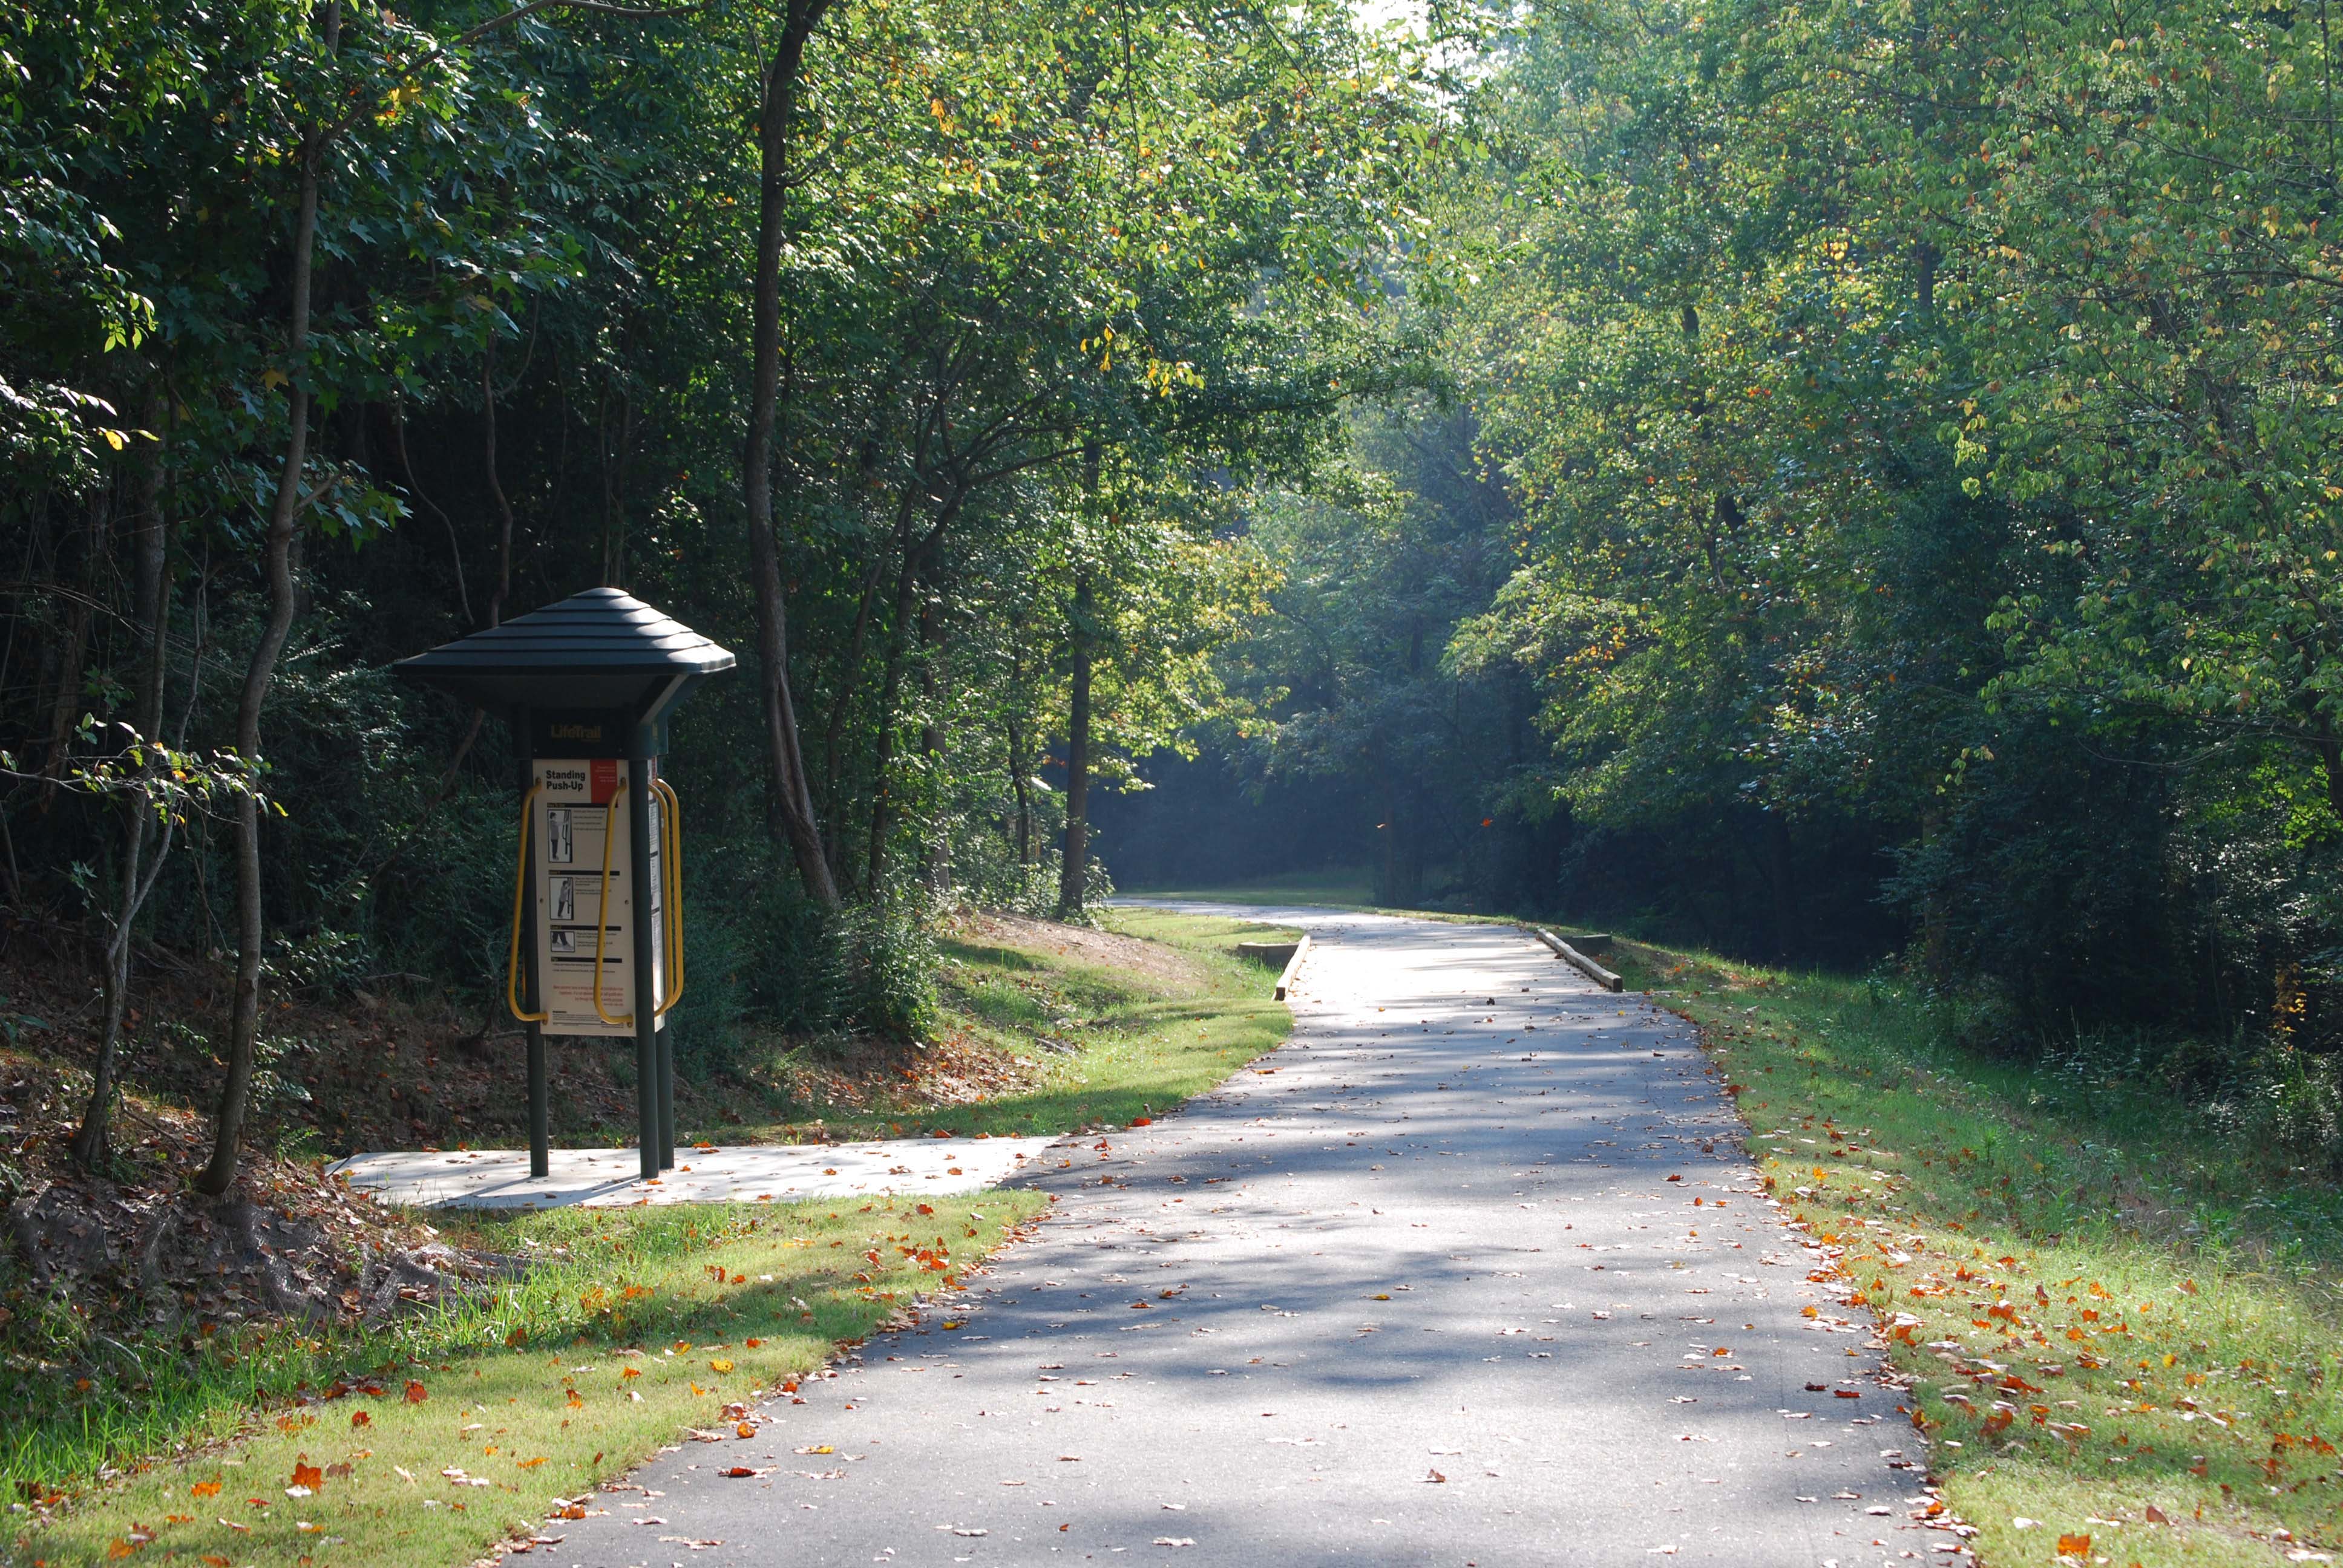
x=1471, y=1270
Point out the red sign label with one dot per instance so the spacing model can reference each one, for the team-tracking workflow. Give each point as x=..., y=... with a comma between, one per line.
x=603, y=779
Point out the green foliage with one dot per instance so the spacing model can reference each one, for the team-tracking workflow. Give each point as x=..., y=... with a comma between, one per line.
x=1912, y=517
x=890, y=958
x=1054, y=281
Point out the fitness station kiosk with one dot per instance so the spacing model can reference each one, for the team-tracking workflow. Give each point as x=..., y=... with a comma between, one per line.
x=587, y=685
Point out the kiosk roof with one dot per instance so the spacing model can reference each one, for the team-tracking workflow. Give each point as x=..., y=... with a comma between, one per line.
x=601, y=648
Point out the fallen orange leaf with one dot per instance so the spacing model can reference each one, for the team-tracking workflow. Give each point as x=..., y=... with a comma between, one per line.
x=415, y=1392
x=204, y=1489
x=2074, y=1545
x=532, y=1463
x=720, y=1366
x=361, y=1418
x=308, y=1475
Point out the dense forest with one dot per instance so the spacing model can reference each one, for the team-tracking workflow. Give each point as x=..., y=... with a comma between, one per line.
x=1850, y=483
x=1877, y=505
x=925, y=354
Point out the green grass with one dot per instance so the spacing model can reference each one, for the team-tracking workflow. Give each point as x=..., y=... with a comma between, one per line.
x=1112, y=1044
x=637, y=1327
x=2146, y=1302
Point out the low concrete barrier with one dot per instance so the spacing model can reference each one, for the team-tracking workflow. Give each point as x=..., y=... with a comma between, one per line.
x=1578, y=961
x=1292, y=968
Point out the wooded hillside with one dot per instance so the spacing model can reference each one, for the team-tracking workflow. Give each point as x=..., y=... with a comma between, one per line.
x=922, y=353
x=1853, y=483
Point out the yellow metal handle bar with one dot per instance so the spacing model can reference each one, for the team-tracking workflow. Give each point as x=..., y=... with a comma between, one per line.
x=602, y=913
x=521, y=884
x=671, y=824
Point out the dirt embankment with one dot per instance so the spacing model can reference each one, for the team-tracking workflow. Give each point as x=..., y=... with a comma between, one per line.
x=141, y=1253
x=1166, y=965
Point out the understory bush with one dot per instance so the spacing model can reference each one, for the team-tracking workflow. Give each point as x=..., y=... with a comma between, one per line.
x=888, y=948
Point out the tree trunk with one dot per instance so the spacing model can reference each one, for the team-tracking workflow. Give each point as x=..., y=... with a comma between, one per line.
x=496, y=484
x=849, y=680
x=415, y=488
x=933, y=737
x=92, y=1144
x=2327, y=746
x=1024, y=834
x=1073, y=890
x=1387, y=857
x=882, y=787
x=614, y=478
x=1412, y=825
x=66, y=709
x=283, y=515
x=779, y=104
x=1778, y=850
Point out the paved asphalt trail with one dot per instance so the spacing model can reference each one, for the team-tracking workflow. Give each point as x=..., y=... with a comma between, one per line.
x=1562, y=1372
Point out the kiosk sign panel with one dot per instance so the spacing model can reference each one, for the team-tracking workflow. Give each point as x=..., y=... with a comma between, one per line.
x=596, y=942
x=587, y=903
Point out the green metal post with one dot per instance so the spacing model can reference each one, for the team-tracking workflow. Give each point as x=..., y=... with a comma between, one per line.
x=666, y=1038
x=532, y=989
x=648, y=1082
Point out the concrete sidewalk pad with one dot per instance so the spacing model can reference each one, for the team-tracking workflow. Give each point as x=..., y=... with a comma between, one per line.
x=747, y=1173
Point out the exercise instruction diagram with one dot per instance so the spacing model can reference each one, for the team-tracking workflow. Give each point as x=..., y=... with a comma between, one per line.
x=581, y=828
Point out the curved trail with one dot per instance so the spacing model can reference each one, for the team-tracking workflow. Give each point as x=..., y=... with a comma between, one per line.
x=1193, y=1361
